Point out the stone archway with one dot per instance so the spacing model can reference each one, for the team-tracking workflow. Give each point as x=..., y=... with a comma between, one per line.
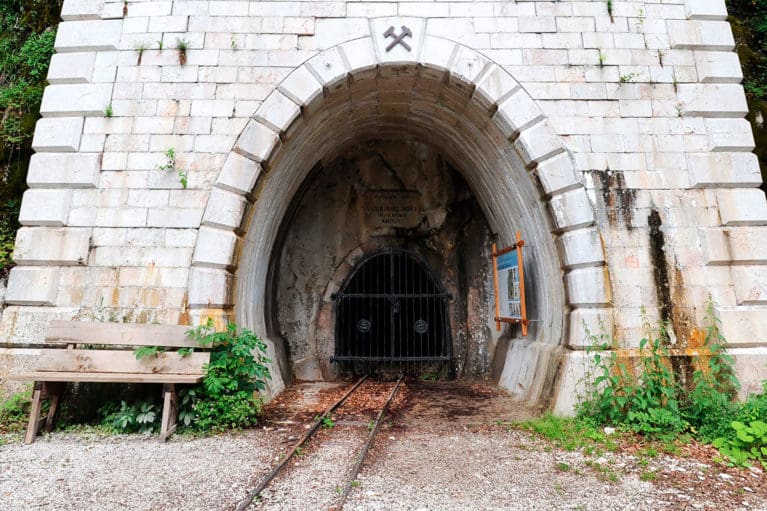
x=444, y=94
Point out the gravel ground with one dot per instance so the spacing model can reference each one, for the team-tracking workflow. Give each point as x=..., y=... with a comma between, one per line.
x=81, y=472
x=486, y=470
x=432, y=454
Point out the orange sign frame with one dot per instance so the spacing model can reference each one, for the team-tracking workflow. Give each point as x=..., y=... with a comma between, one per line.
x=522, y=320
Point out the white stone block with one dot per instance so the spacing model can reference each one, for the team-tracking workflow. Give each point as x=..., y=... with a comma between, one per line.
x=101, y=35
x=361, y=57
x=467, y=67
x=538, y=143
x=278, y=112
x=582, y=248
x=589, y=287
x=32, y=286
x=724, y=170
x=215, y=248
x=744, y=245
x=557, y=174
x=386, y=49
x=329, y=32
x=74, y=10
x=730, y=135
x=742, y=207
x=239, y=174
x=76, y=100
x=718, y=67
x=516, y=113
x=330, y=69
x=436, y=55
x=51, y=247
x=496, y=85
x=705, y=10
x=63, y=170
x=712, y=100
x=225, y=209
x=700, y=35
x=58, y=134
x=743, y=325
x=590, y=326
x=71, y=68
x=210, y=287
x=302, y=87
x=45, y=207
x=174, y=217
x=257, y=142
x=750, y=283
x=572, y=210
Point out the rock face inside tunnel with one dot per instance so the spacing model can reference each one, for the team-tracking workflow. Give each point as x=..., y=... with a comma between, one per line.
x=320, y=140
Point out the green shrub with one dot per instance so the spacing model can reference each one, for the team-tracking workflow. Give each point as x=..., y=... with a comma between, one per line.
x=227, y=397
x=645, y=403
x=710, y=405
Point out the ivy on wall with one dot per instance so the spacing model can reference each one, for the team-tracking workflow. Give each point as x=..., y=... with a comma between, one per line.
x=27, y=34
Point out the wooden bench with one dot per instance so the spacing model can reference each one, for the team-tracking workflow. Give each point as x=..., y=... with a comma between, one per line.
x=113, y=361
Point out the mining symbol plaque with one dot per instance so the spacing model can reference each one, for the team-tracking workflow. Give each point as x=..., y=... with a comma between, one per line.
x=393, y=208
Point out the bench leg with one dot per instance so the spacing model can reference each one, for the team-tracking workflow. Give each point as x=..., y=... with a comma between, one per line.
x=34, y=413
x=54, y=390
x=169, y=412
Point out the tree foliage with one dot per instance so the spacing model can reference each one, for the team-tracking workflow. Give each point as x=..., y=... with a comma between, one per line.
x=27, y=34
x=749, y=25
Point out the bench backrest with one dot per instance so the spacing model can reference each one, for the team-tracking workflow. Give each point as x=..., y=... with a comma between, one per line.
x=115, y=360
x=124, y=334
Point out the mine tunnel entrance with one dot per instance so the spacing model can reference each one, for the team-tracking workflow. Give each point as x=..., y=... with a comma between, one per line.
x=391, y=309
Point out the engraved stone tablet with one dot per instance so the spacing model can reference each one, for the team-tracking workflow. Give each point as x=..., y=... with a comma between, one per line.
x=392, y=208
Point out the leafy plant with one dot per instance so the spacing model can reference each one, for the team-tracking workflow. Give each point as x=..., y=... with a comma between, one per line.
x=327, y=421
x=139, y=417
x=602, y=57
x=182, y=45
x=140, y=47
x=108, y=111
x=610, y=10
x=237, y=369
x=170, y=164
x=627, y=78
x=647, y=403
x=160, y=44
x=710, y=403
x=147, y=351
x=748, y=443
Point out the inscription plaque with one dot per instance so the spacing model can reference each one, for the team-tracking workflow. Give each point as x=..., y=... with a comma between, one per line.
x=393, y=208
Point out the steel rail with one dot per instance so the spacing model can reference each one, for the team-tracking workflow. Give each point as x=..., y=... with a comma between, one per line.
x=361, y=456
x=244, y=503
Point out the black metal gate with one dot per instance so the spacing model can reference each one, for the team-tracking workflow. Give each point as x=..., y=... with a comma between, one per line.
x=392, y=309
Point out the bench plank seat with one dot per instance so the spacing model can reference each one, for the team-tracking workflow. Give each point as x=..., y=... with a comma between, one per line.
x=124, y=334
x=103, y=363
x=120, y=361
x=108, y=377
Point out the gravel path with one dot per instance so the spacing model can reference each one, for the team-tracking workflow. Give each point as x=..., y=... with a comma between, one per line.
x=80, y=472
x=427, y=457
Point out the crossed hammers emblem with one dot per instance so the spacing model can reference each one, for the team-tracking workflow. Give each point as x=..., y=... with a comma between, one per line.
x=398, y=39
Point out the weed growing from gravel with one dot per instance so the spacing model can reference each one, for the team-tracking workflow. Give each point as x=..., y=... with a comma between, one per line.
x=14, y=411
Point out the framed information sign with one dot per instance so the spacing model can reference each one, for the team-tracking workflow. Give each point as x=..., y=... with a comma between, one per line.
x=509, y=285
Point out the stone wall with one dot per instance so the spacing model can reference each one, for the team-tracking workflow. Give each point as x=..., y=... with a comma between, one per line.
x=616, y=140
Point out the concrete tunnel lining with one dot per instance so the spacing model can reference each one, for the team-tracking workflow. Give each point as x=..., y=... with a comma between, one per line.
x=404, y=100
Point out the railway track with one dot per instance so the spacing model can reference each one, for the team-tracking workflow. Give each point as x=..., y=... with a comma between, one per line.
x=315, y=426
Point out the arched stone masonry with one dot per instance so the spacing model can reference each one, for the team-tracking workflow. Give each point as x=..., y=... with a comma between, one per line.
x=442, y=93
